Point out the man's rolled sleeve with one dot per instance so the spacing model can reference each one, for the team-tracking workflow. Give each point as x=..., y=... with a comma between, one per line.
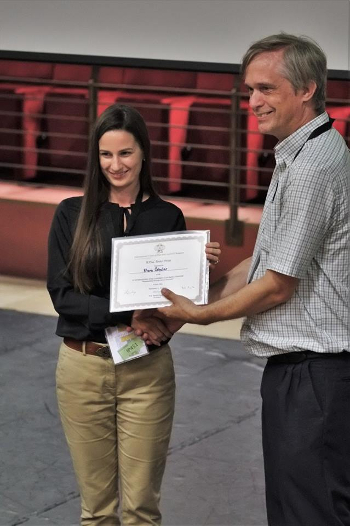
x=308, y=205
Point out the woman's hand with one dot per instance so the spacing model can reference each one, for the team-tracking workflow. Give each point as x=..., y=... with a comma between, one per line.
x=149, y=327
x=171, y=325
x=213, y=252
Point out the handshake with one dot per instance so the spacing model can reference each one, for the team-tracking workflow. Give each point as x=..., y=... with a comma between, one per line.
x=156, y=326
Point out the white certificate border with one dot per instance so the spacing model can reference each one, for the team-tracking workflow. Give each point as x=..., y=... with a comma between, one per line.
x=202, y=235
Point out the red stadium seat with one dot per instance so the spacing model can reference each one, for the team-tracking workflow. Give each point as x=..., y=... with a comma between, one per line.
x=23, y=70
x=64, y=134
x=209, y=125
x=11, y=106
x=215, y=81
x=31, y=96
x=110, y=75
x=338, y=89
x=159, y=78
x=72, y=72
x=341, y=114
x=33, y=102
x=178, y=120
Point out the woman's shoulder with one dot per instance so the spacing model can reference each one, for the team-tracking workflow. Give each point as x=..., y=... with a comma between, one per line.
x=67, y=211
x=70, y=204
x=163, y=216
x=166, y=205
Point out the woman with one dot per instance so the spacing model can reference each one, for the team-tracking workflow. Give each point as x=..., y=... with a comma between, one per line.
x=117, y=418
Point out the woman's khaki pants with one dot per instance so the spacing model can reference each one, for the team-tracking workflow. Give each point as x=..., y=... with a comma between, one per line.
x=117, y=420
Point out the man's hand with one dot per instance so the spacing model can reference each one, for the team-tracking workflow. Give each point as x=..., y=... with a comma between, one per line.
x=183, y=309
x=172, y=325
x=151, y=328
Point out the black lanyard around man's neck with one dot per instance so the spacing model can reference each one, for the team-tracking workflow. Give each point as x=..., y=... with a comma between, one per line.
x=317, y=131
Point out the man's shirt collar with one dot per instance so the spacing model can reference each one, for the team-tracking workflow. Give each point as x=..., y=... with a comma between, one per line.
x=286, y=150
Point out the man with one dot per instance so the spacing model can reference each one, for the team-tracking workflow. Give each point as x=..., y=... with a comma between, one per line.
x=294, y=290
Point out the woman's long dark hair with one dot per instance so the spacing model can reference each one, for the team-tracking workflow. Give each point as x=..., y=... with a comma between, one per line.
x=87, y=251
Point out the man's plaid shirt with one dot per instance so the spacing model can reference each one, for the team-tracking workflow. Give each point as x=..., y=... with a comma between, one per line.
x=304, y=233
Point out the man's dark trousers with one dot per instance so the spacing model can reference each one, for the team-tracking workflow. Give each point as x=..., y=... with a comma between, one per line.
x=306, y=439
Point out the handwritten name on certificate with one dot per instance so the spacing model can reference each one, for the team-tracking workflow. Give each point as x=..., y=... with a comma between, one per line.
x=142, y=265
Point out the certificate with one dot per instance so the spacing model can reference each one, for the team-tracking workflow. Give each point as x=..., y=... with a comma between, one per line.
x=142, y=265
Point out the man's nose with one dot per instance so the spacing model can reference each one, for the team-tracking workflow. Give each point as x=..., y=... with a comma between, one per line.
x=255, y=99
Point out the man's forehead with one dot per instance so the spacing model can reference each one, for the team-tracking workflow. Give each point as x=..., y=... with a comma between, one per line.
x=269, y=58
x=264, y=67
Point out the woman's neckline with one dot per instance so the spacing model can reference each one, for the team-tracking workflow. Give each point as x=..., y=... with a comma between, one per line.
x=130, y=203
x=145, y=199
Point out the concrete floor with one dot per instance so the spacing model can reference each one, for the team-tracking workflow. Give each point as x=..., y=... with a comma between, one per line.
x=214, y=474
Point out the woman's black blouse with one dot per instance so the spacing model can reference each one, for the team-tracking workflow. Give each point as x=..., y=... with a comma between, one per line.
x=85, y=316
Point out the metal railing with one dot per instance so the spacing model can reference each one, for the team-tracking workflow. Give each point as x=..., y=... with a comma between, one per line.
x=203, y=145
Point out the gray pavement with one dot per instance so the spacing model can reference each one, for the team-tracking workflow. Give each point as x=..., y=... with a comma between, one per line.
x=214, y=474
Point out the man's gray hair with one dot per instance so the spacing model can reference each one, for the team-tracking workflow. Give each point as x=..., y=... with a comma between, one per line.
x=304, y=61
